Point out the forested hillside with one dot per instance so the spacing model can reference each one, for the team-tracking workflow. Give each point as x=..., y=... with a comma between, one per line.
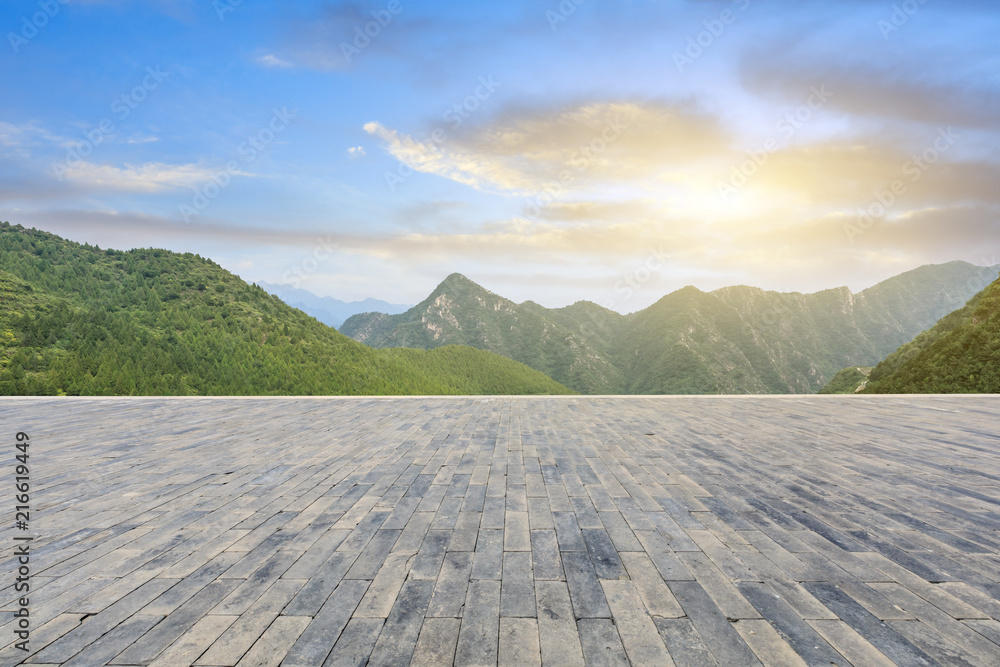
x=849, y=380
x=960, y=354
x=77, y=319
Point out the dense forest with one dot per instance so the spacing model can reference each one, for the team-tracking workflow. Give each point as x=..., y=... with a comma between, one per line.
x=80, y=320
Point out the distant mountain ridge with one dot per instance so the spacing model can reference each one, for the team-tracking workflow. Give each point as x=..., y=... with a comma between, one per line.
x=331, y=312
x=733, y=340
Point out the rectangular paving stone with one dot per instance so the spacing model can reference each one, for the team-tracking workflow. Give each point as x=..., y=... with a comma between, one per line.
x=487, y=562
x=603, y=554
x=478, y=639
x=545, y=557
x=517, y=591
x=568, y=532
x=558, y=635
x=584, y=586
x=466, y=532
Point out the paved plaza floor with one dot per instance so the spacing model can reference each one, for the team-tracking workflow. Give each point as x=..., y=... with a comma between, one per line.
x=505, y=530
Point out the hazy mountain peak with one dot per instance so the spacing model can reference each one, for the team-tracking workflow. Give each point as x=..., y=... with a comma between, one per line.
x=458, y=280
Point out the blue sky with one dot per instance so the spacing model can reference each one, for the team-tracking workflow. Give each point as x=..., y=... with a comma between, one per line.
x=611, y=151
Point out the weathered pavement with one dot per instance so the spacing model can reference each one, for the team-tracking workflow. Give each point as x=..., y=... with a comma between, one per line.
x=477, y=531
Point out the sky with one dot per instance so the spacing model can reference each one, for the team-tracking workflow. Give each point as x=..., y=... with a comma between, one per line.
x=549, y=150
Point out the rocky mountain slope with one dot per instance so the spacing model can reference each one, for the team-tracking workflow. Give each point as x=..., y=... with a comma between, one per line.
x=733, y=340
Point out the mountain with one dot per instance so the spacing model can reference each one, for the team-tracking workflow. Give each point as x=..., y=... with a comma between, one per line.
x=331, y=312
x=848, y=381
x=733, y=340
x=75, y=319
x=460, y=312
x=746, y=340
x=959, y=354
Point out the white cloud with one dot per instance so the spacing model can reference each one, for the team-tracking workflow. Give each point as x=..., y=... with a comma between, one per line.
x=356, y=152
x=271, y=60
x=150, y=177
x=613, y=142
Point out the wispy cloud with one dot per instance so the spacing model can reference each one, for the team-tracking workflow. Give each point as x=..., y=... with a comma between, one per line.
x=150, y=177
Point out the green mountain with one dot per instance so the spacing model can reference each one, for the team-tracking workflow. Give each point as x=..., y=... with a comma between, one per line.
x=733, y=340
x=76, y=319
x=460, y=312
x=746, y=340
x=848, y=381
x=960, y=354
